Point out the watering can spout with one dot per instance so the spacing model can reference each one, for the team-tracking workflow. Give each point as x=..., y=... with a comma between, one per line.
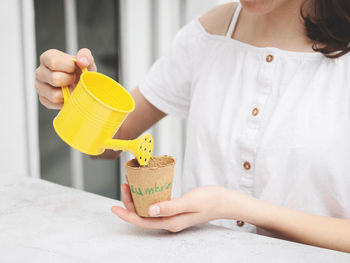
x=141, y=148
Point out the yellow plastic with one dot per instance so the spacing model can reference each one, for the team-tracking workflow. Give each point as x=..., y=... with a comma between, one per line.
x=93, y=113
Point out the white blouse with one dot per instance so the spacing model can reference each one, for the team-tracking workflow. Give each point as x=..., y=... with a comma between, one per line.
x=270, y=123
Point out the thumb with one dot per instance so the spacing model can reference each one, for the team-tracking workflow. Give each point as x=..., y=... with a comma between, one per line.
x=168, y=208
x=85, y=59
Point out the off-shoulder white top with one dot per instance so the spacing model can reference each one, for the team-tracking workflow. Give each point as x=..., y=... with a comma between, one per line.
x=270, y=123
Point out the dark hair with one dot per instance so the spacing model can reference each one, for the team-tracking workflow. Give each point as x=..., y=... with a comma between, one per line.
x=328, y=25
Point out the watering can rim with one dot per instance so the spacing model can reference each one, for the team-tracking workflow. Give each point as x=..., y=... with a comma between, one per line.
x=104, y=104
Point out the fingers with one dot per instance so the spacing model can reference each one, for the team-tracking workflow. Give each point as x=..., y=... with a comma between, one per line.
x=56, y=60
x=52, y=94
x=50, y=105
x=170, y=208
x=127, y=198
x=180, y=222
x=172, y=224
x=54, y=78
x=133, y=218
x=85, y=59
x=56, y=69
x=126, y=215
x=178, y=214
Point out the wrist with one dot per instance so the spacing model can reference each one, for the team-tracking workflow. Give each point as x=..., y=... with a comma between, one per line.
x=229, y=204
x=242, y=207
x=235, y=205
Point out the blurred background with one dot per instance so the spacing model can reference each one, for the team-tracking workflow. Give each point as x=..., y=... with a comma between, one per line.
x=125, y=37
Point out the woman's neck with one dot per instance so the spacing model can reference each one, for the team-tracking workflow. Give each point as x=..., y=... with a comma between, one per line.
x=281, y=28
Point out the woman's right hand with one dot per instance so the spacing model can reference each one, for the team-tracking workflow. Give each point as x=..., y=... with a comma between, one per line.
x=58, y=69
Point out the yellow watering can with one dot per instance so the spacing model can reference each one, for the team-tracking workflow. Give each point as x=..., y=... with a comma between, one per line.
x=93, y=113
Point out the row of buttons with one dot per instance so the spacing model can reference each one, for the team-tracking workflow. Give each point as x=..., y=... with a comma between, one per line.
x=255, y=112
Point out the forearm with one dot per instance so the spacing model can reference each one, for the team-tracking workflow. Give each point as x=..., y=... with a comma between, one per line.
x=327, y=232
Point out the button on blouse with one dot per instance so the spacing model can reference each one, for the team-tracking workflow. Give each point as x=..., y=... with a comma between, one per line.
x=255, y=112
x=269, y=58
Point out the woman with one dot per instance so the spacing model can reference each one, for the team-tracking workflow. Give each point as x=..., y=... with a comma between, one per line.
x=265, y=90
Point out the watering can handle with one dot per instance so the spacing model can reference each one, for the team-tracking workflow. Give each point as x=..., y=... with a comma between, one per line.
x=65, y=89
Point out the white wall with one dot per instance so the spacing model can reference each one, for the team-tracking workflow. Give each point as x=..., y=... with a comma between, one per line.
x=18, y=129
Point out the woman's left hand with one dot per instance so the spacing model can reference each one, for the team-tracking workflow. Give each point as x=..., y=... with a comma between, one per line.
x=196, y=206
x=207, y=203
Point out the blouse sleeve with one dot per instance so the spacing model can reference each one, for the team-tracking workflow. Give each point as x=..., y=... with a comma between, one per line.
x=168, y=82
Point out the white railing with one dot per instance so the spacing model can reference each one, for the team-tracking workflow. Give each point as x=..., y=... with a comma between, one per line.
x=31, y=101
x=18, y=107
x=70, y=19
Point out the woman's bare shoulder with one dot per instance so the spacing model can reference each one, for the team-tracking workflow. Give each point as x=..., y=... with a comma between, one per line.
x=218, y=19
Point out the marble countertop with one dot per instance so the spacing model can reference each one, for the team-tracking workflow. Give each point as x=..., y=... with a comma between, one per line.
x=45, y=222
